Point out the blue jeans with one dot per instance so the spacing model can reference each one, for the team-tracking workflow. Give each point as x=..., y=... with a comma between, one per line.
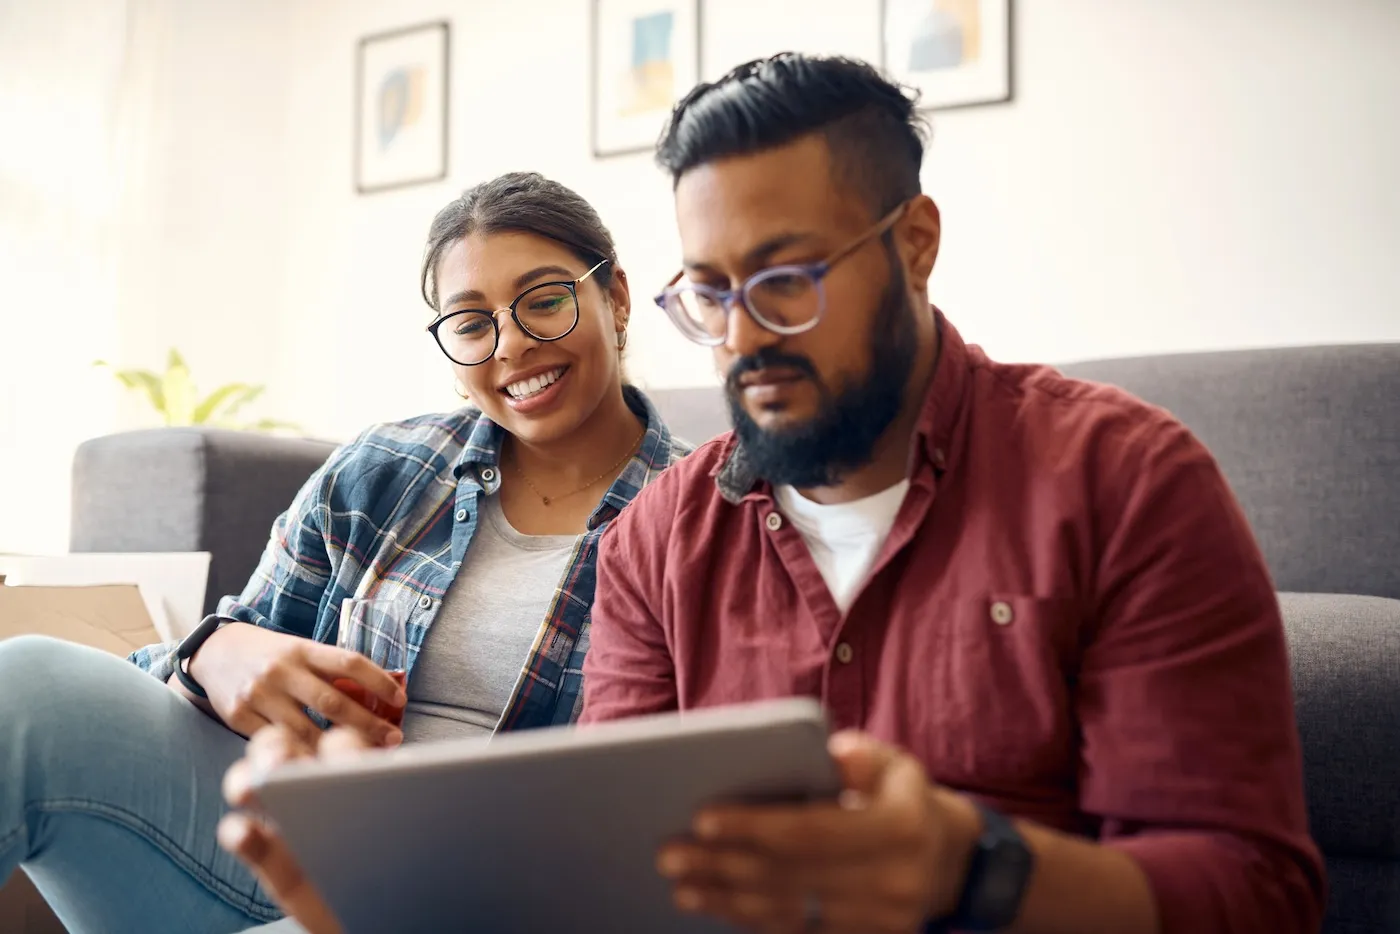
x=110, y=793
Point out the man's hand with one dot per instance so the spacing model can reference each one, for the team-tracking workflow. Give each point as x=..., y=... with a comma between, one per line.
x=890, y=856
x=257, y=844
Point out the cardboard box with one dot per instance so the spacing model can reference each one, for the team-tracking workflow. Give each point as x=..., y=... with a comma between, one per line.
x=171, y=585
x=112, y=617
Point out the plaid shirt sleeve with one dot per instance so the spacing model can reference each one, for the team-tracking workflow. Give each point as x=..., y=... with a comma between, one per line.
x=291, y=578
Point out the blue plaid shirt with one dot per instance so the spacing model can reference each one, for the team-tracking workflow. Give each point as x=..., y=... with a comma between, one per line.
x=391, y=515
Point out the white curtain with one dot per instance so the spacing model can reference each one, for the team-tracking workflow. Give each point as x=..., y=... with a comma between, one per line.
x=80, y=88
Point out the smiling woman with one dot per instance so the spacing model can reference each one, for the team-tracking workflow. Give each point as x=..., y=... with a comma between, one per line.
x=468, y=525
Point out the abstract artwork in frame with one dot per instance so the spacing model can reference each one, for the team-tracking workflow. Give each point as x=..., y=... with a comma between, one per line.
x=401, y=108
x=956, y=52
x=646, y=57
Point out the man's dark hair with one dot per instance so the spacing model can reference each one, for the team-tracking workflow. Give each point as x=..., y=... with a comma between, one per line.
x=871, y=125
x=522, y=202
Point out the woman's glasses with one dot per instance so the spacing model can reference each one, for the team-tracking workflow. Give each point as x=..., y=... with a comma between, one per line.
x=546, y=312
x=783, y=299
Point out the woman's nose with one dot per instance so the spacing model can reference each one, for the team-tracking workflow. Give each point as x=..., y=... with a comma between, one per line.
x=513, y=340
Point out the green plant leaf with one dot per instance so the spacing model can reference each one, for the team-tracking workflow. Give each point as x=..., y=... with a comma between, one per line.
x=248, y=395
x=233, y=396
x=272, y=424
x=140, y=380
x=180, y=393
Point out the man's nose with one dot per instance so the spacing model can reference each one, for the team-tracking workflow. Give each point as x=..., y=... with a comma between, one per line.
x=743, y=335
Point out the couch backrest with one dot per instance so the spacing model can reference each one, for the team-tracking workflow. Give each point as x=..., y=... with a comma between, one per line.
x=189, y=489
x=1309, y=438
x=694, y=414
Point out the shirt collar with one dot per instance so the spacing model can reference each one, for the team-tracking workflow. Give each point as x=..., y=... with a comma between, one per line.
x=480, y=460
x=933, y=435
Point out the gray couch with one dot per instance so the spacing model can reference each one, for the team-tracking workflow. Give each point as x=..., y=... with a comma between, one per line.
x=1309, y=438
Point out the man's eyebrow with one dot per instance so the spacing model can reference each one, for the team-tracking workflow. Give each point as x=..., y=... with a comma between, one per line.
x=759, y=255
x=522, y=280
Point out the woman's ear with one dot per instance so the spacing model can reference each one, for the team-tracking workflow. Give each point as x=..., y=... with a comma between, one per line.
x=620, y=298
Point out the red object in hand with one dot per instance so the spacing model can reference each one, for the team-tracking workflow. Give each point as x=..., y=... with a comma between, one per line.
x=371, y=702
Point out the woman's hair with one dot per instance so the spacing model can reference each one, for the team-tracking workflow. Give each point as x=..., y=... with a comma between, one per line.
x=520, y=202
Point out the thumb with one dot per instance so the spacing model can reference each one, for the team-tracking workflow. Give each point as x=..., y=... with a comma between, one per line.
x=862, y=760
x=256, y=845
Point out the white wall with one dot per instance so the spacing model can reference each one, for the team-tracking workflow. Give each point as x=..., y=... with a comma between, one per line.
x=1171, y=176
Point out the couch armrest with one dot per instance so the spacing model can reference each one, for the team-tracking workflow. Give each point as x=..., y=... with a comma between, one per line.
x=189, y=489
x=1345, y=653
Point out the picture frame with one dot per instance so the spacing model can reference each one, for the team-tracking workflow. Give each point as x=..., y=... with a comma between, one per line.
x=401, y=107
x=957, y=53
x=645, y=58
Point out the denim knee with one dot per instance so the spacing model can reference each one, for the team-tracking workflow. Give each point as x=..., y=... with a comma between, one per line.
x=46, y=683
x=32, y=666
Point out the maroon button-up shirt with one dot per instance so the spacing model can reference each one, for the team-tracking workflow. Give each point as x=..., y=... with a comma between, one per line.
x=1070, y=620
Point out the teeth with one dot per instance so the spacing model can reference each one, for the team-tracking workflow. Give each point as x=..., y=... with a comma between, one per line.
x=526, y=388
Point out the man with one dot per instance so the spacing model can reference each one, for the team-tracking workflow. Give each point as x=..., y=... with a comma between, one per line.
x=1032, y=604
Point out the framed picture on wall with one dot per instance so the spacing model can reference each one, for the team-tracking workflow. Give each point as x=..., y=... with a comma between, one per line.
x=401, y=108
x=956, y=52
x=646, y=57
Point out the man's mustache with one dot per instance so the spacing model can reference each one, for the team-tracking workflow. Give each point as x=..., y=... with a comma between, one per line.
x=768, y=358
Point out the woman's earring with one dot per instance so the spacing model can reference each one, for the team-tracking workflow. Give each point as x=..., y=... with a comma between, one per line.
x=461, y=390
x=621, y=340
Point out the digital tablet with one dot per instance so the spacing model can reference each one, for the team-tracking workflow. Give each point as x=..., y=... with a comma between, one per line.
x=540, y=831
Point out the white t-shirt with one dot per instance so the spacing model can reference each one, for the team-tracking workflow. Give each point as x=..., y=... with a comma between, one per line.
x=844, y=538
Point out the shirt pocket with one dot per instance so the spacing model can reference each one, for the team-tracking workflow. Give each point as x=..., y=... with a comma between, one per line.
x=1004, y=689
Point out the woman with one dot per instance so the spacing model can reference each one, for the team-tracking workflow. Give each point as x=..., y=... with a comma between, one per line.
x=480, y=526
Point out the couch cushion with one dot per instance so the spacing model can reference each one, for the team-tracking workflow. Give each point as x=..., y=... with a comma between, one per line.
x=1309, y=438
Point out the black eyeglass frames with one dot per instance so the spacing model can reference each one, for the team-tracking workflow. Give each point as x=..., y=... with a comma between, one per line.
x=546, y=312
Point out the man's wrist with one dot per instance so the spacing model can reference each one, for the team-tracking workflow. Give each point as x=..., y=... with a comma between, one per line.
x=961, y=827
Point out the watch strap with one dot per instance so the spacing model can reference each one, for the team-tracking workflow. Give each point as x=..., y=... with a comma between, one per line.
x=998, y=873
x=188, y=646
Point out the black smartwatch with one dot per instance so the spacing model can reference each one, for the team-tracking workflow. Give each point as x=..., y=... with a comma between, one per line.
x=189, y=645
x=997, y=875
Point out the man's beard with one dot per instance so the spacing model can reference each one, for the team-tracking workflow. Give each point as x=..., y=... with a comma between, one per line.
x=841, y=437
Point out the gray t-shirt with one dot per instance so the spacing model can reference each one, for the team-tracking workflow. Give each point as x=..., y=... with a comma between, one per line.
x=488, y=622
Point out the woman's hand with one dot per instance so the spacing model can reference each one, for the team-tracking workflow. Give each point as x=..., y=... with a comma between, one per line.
x=255, y=677
x=256, y=843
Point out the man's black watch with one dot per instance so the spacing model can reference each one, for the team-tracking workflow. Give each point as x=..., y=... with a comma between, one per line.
x=997, y=876
x=188, y=646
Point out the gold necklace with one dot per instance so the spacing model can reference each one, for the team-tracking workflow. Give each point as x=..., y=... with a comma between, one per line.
x=515, y=462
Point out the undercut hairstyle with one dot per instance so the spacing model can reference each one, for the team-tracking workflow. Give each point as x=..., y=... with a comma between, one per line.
x=871, y=125
x=520, y=202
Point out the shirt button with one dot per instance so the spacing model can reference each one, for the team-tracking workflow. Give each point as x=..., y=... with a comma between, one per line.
x=425, y=601
x=844, y=653
x=1001, y=613
x=461, y=515
x=489, y=474
x=774, y=522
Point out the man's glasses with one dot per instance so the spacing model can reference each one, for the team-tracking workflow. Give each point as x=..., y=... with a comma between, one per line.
x=545, y=312
x=786, y=299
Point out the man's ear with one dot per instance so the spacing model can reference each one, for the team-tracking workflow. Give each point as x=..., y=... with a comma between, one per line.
x=919, y=234
x=620, y=297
